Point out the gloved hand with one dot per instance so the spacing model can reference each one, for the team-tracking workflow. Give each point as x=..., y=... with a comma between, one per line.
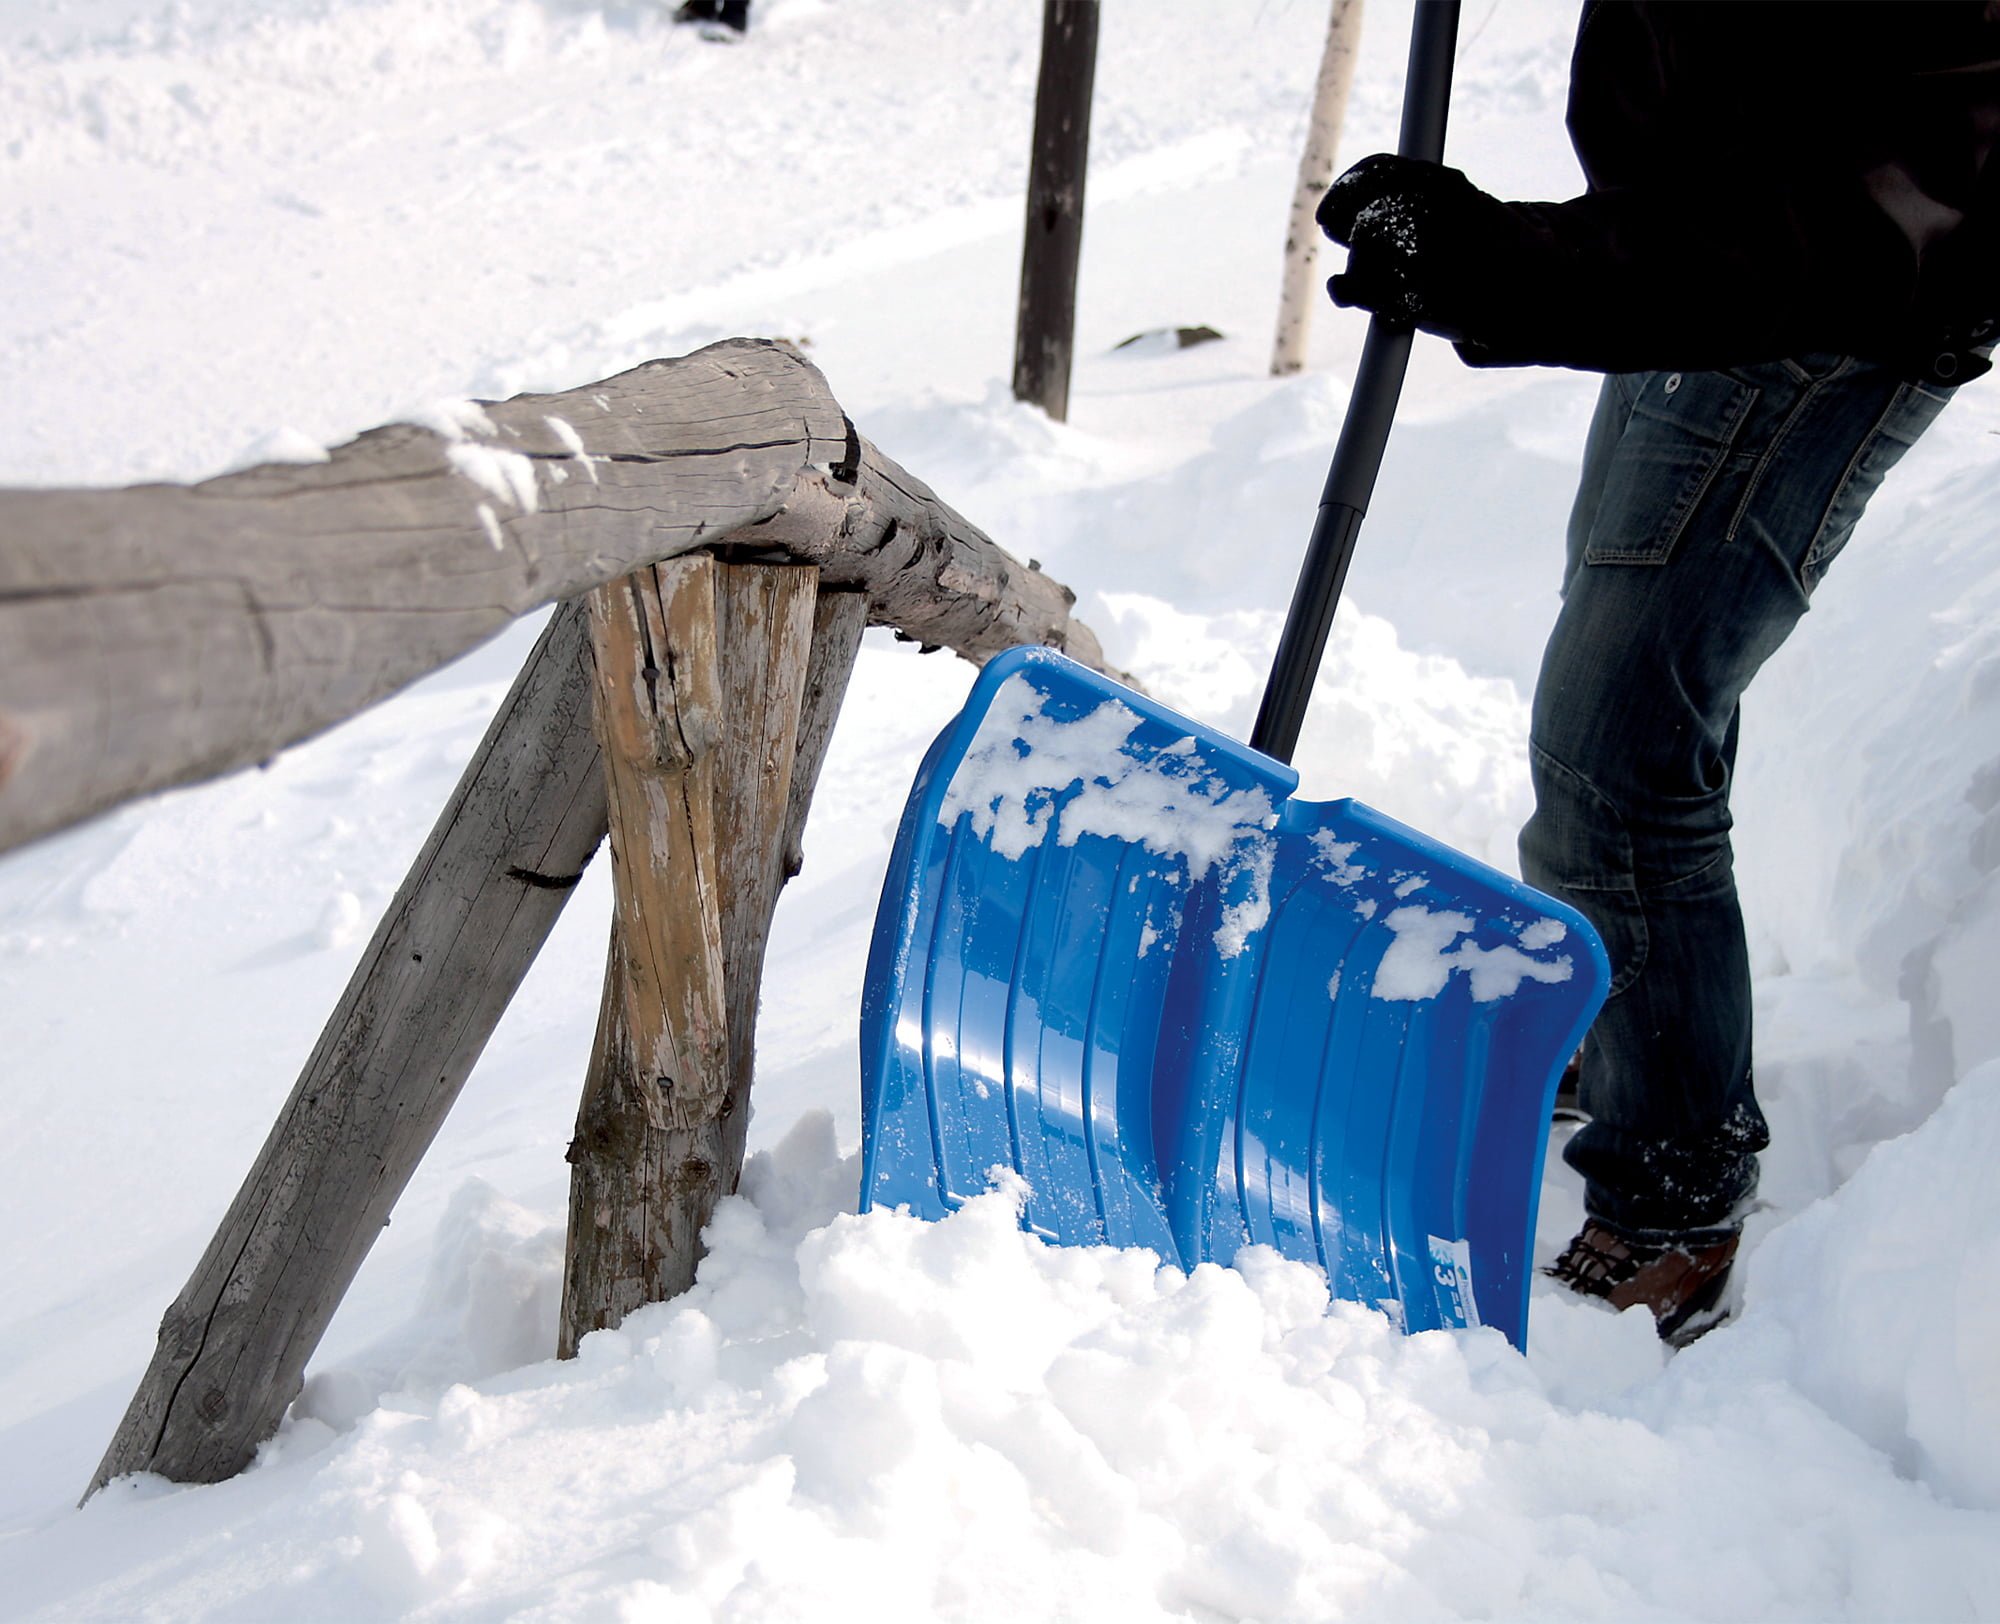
x=1427, y=248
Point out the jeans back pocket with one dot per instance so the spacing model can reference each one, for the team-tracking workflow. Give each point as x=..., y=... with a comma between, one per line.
x=1681, y=429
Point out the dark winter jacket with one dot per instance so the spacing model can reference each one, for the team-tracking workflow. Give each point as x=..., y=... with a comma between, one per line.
x=1768, y=180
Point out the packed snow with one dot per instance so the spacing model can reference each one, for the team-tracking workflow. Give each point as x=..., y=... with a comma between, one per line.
x=246, y=230
x=1026, y=772
x=1426, y=950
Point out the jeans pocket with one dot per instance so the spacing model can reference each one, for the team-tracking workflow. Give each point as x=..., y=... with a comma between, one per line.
x=1680, y=432
x=1910, y=411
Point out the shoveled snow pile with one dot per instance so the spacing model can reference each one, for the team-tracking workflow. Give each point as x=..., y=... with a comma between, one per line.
x=854, y=1418
x=270, y=224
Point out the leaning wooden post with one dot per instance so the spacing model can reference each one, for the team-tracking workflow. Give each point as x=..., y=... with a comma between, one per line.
x=786, y=654
x=474, y=910
x=1045, y=335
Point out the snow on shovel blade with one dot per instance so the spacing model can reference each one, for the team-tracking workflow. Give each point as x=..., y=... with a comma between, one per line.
x=1115, y=955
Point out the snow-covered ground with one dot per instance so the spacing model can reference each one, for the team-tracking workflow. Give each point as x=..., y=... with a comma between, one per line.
x=226, y=223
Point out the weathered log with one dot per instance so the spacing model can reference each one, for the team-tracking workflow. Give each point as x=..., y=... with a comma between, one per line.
x=455, y=943
x=766, y=639
x=162, y=634
x=702, y=677
x=838, y=621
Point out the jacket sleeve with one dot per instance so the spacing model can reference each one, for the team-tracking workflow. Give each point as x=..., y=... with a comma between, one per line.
x=1766, y=180
x=1625, y=279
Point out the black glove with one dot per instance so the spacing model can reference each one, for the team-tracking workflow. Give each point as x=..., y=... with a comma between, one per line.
x=1427, y=248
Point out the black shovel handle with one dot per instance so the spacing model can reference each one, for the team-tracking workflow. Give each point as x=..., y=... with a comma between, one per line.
x=1370, y=409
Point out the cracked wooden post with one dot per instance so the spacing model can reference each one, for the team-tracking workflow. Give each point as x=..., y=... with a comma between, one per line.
x=705, y=673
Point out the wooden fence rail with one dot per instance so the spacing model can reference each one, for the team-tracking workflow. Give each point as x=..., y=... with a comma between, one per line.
x=717, y=534
x=162, y=634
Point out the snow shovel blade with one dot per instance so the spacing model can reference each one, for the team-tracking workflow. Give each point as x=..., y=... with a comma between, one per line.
x=1116, y=956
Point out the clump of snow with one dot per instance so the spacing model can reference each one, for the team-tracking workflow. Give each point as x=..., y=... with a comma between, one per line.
x=1021, y=758
x=453, y=419
x=1027, y=772
x=486, y=1303
x=340, y=921
x=1335, y=857
x=573, y=444
x=1249, y=908
x=505, y=475
x=279, y=445
x=1422, y=958
x=1543, y=933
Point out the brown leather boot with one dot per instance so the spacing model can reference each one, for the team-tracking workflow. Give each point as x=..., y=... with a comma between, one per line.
x=1681, y=1284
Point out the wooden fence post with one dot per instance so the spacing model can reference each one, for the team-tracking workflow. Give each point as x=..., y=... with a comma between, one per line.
x=1045, y=333
x=705, y=675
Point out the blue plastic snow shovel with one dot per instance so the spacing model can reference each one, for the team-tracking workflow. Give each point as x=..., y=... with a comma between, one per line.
x=1115, y=955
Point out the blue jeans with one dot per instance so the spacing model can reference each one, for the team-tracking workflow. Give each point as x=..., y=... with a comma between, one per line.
x=1710, y=506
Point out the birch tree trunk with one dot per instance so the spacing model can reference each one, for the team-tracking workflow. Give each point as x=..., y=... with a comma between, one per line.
x=1300, y=291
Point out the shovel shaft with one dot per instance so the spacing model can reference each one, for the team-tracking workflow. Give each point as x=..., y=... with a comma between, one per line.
x=1365, y=433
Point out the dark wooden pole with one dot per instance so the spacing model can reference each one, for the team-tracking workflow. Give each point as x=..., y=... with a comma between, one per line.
x=1046, y=333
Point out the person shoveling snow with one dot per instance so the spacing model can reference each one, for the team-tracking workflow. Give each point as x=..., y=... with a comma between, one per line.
x=1784, y=265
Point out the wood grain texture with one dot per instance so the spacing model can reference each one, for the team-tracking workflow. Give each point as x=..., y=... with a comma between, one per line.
x=699, y=817
x=839, y=619
x=766, y=614
x=450, y=952
x=659, y=1074
x=163, y=634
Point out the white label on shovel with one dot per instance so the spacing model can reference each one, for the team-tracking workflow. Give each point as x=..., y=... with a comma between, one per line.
x=1451, y=1279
